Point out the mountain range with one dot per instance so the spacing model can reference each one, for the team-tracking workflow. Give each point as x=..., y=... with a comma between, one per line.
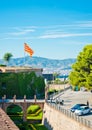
x=41, y=62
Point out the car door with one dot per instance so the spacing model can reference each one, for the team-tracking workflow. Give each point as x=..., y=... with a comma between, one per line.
x=86, y=110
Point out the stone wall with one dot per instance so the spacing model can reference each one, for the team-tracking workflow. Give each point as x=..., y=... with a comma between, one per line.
x=58, y=86
x=55, y=120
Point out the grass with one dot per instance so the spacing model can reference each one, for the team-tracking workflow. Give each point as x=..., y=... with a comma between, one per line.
x=39, y=127
x=14, y=110
x=26, y=126
x=34, y=112
x=32, y=109
x=37, y=117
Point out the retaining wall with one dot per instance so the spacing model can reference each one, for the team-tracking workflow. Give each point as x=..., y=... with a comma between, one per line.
x=54, y=119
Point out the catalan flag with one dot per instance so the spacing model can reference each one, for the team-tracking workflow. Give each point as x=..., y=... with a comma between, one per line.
x=28, y=49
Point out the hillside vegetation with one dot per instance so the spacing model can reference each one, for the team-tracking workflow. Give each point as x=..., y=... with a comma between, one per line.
x=41, y=62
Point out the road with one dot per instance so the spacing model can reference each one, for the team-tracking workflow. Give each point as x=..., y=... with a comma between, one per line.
x=73, y=97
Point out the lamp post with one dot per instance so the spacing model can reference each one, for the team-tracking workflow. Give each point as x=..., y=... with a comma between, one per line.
x=64, y=82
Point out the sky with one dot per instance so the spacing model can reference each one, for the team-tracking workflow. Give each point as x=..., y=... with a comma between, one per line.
x=55, y=29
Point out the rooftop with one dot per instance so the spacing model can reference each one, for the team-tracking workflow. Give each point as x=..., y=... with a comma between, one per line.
x=5, y=122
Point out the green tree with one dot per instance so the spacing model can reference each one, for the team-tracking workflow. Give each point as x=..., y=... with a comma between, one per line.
x=55, y=74
x=7, y=57
x=81, y=74
x=20, y=84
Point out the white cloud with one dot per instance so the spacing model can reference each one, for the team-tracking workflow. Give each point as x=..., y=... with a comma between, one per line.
x=76, y=24
x=79, y=28
x=84, y=24
x=16, y=38
x=21, y=32
x=64, y=35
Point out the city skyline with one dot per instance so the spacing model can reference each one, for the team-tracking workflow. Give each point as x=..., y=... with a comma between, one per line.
x=54, y=29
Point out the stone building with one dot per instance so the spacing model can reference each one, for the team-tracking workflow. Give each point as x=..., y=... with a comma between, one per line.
x=15, y=69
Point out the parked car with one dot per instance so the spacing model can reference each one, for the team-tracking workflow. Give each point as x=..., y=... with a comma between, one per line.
x=61, y=102
x=77, y=106
x=82, y=110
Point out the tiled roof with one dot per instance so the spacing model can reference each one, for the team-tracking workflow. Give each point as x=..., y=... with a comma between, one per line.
x=5, y=122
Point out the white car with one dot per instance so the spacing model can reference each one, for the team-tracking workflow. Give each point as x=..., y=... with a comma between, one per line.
x=82, y=110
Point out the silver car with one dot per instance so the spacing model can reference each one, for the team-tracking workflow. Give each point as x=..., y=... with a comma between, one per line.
x=82, y=110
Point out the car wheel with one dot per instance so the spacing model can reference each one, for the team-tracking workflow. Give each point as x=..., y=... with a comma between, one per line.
x=81, y=113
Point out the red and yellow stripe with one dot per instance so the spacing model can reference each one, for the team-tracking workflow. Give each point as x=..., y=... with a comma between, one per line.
x=28, y=49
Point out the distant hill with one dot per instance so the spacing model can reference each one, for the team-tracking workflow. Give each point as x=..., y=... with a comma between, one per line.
x=40, y=62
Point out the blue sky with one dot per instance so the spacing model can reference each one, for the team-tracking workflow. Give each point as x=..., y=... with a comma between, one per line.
x=55, y=29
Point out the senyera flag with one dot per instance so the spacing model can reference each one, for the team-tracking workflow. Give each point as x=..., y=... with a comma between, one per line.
x=28, y=49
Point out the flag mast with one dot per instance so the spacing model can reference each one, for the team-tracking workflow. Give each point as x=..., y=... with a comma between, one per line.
x=24, y=56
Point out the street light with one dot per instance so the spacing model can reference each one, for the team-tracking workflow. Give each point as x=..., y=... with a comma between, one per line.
x=64, y=82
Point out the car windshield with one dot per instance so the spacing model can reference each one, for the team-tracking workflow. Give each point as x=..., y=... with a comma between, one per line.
x=81, y=108
x=76, y=106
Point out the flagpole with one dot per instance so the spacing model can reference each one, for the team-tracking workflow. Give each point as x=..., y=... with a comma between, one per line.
x=24, y=56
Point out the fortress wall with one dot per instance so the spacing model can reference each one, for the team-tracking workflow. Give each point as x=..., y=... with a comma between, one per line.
x=56, y=120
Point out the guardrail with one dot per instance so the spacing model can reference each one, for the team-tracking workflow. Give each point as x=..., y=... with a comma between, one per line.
x=57, y=94
x=68, y=113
